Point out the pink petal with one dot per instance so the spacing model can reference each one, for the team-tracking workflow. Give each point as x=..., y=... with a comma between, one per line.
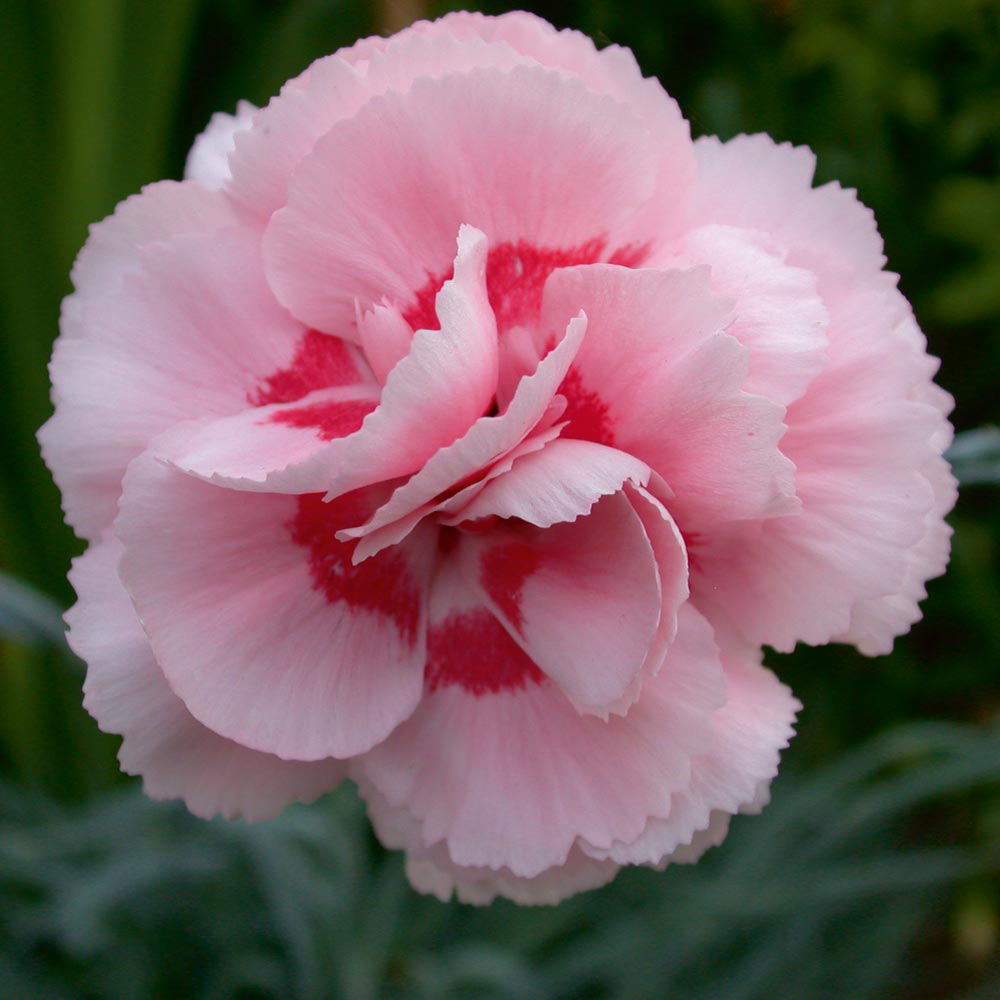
x=859, y=446
x=176, y=755
x=670, y=554
x=208, y=162
x=260, y=621
x=334, y=89
x=190, y=333
x=582, y=597
x=486, y=441
x=556, y=484
x=431, y=870
x=865, y=437
x=545, y=432
x=755, y=183
x=357, y=223
x=513, y=779
x=778, y=314
x=656, y=378
x=436, y=393
x=158, y=212
x=285, y=448
x=747, y=734
x=612, y=71
x=480, y=886
x=385, y=336
x=875, y=623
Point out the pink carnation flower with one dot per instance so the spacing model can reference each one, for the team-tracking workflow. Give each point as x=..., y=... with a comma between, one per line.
x=460, y=426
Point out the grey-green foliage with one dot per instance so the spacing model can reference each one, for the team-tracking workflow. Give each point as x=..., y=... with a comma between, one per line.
x=27, y=615
x=816, y=898
x=975, y=457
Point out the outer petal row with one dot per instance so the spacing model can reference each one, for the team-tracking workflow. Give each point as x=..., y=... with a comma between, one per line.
x=865, y=436
x=189, y=331
x=259, y=620
x=176, y=755
x=544, y=822
x=374, y=208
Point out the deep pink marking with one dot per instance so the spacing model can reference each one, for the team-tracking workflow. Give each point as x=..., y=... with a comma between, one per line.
x=471, y=649
x=515, y=277
x=693, y=541
x=383, y=583
x=502, y=572
x=320, y=361
x=630, y=255
x=586, y=412
x=330, y=420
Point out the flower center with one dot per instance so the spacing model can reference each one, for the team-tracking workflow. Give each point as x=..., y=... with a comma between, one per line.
x=515, y=277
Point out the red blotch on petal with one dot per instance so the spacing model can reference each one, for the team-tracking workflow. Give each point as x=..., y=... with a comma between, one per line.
x=330, y=420
x=382, y=584
x=586, y=412
x=320, y=361
x=471, y=649
x=502, y=573
x=515, y=277
x=693, y=542
x=631, y=255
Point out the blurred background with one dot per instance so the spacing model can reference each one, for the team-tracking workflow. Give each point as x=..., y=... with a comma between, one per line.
x=873, y=874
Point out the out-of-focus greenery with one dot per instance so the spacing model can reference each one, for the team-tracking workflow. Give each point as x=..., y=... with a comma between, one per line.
x=874, y=871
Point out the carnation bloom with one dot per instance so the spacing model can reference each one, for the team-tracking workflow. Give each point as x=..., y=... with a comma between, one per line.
x=460, y=426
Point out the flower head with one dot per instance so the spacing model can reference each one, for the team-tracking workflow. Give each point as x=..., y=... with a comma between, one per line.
x=460, y=426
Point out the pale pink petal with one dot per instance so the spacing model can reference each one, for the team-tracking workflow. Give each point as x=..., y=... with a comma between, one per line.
x=859, y=445
x=853, y=563
x=158, y=212
x=511, y=777
x=282, y=448
x=176, y=755
x=582, y=598
x=372, y=211
x=755, y=183
x=385, y=337
x=747, y=734
x=545, y=432
x=431, y=870
x=480, y=886
x=670, y=554
x=613, y=71
x=437, y=392
x=778, y=314
x=191, y=333
x=208, y=162
x=658, y=379
x=260, y=621
x=519, y=357
x=702, y=840
x=486, y=441
x=558, y=483
x=334, y=89
x=875, y=623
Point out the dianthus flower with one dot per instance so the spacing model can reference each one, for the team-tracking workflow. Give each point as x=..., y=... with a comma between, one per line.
x=461, y=427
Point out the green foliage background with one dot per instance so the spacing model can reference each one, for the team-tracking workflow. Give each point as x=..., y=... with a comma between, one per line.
x=874, y=872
